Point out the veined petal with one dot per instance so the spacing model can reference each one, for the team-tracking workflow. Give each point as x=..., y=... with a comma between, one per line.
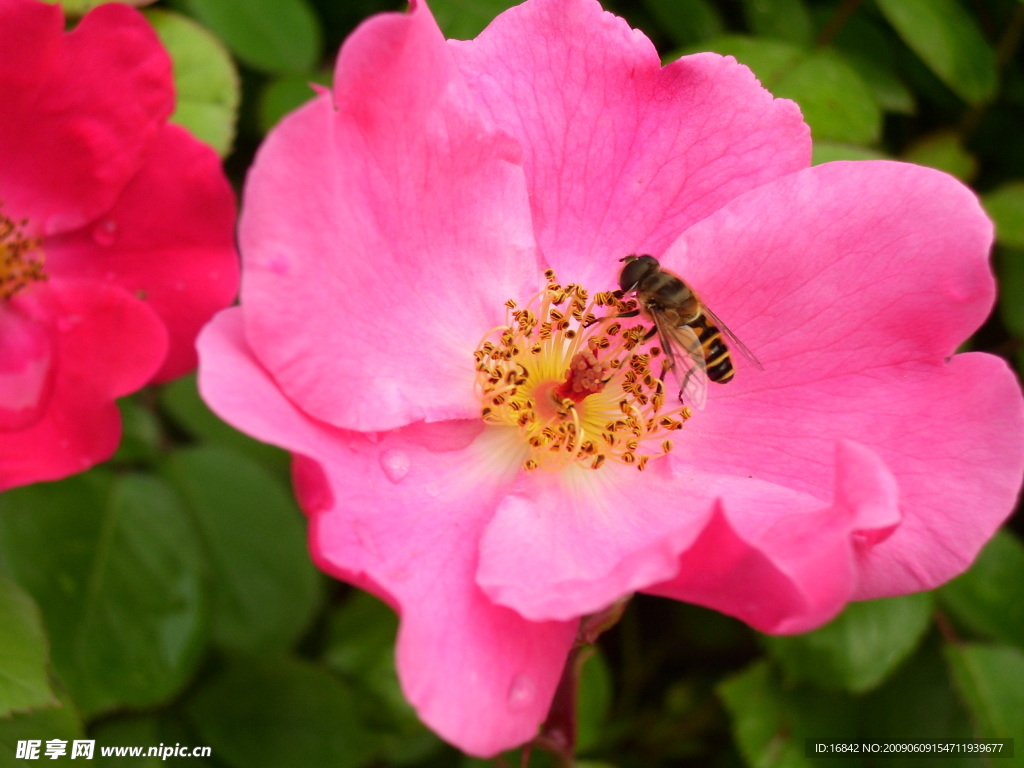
x=400, y=516
x=389, y=228
x=843, y=267
x=63, y=170
x=853, y=282
x=949, y=434
x=622, y=155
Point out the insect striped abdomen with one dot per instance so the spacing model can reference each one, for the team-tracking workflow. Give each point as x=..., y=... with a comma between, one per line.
x=716, y=354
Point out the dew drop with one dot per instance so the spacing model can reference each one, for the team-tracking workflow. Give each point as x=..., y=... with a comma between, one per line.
x=105, y=232
x=395, y=464
x=521, y=692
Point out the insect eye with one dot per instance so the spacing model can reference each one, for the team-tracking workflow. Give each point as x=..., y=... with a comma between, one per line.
x=635, y=271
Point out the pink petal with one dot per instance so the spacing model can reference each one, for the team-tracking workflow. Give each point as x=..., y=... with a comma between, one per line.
x=401, y=517
x=843, y=267
x=72, y=133
x=621, y=154
x=569, y=544
x=107, y=345
x=852, y=282
x=26, y=367
x=168, y=238
x=779, y=563
x=383, y=236
x=950, y=435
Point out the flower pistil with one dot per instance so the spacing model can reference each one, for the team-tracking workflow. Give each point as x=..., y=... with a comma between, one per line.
x=576, y=384
x=21, y=257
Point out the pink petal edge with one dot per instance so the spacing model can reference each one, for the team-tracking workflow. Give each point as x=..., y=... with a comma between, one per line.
x=622, y=154
x=398, y=218
x=400, y=517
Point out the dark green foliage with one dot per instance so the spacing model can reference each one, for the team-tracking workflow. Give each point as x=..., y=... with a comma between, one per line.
x=168, y=596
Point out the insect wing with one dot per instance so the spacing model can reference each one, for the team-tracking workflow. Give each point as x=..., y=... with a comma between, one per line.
x=685, y=356
x=734, y=343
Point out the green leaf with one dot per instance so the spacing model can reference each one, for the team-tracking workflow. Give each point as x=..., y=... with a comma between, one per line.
x=282, y=713
x=1005, y=205
x=180, y=400
x=59, y=721
x=24, y=652
x=594, y=699
x=361, y=648
x=780, y=19
x=276, y=36
x=870, y=47
x=944, y=151
x=991, y=680
x=949, y=41
x=830, y=151
x=114, y=566
x=1010, y=267
x=889, y=91
x=205, y=80
x=986, y=599
x=140, y=433
x=465, y=19
x=146, y=731
x=859, y=648
x=770, y=722
x=264, y=589
x=284, y=94
x=81, y=7
x=917, y=702
x=687, y=21
x=835, y=101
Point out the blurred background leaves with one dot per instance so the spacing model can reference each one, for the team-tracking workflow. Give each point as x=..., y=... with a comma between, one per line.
x=168, y=596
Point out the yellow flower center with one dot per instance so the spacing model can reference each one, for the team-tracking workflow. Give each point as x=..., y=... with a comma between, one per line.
x=21, y=259
x=574, y=382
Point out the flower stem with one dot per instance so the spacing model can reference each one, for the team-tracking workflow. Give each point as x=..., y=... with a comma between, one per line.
x=558, y=732
x=836, y=22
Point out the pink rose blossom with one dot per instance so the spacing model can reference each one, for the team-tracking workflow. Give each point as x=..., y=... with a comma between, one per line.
x=450, y=467
x=116, y=233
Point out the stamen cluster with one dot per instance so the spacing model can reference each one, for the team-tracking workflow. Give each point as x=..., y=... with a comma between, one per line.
x=21, y=259
x=576, y=384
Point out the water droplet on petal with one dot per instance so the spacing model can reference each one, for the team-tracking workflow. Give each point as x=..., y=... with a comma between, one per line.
x=105, y=232
x=521, y=692
x=395, y=464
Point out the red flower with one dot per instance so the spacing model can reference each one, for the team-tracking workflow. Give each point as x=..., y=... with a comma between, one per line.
x=116, y=233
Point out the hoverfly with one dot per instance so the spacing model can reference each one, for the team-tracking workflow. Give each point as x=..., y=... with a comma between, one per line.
x=689, y=332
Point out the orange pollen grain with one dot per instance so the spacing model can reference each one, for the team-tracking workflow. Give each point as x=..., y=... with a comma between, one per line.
x=21, y=257
x=574, y=381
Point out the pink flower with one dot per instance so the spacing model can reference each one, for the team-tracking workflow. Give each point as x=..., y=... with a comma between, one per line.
x=116, y=233
x=387, y=223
